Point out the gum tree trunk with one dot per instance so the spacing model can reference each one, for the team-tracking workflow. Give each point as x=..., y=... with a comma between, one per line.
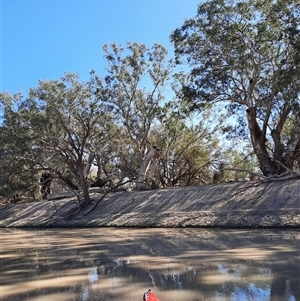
x=258, y=138
x=149, y=160
x=84, y=188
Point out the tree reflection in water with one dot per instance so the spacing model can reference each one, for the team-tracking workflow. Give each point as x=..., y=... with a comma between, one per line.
x=121, y=264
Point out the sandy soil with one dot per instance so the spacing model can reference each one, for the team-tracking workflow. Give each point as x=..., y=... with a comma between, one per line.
x=273, y=204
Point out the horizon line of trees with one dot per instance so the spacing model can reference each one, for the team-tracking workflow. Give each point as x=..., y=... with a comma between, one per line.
x=144, y=126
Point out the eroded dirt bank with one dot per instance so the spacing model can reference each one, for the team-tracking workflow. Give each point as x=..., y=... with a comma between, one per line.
x=232, y=205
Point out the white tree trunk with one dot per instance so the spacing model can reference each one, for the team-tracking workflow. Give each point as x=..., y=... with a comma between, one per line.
x=88, y=165
x=152, y=168
x=150, y=159
x=84, y=188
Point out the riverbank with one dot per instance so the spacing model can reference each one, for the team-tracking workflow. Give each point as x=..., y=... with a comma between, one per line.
x=273, y=204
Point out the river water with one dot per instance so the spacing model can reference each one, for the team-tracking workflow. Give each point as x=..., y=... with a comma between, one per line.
x=177, y=264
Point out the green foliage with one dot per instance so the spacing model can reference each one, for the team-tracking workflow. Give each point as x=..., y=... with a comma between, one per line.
x=136, y=80
x=17, y=151
x=238, y=166
x=57, y=127
x=245, y=54
x=188, y=146
x=68, y=127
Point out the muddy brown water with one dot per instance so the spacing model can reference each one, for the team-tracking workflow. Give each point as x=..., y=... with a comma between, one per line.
x=177, y=264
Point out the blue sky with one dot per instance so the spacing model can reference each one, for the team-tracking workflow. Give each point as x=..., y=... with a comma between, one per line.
x=43, y=39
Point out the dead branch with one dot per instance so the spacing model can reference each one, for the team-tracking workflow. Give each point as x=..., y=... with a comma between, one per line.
x=109, y=191
x=288, y=171
x=244, y=170
x=263, y=178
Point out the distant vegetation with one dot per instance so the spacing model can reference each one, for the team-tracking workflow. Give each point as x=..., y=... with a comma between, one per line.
x=233, y=114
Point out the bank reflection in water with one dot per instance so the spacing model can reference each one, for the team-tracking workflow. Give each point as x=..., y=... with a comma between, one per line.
x=177, y=264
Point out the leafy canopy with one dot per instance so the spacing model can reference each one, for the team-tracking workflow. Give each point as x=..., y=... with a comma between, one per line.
x=246, y=55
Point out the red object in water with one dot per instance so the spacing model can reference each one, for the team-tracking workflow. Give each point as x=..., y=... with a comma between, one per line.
x=149, y=296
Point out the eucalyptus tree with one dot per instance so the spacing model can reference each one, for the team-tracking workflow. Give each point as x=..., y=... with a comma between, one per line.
x=76, y=124
x=19, y=174
x=246, y=54
x=189, y=145
x=63, y=124
x=136, y=82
